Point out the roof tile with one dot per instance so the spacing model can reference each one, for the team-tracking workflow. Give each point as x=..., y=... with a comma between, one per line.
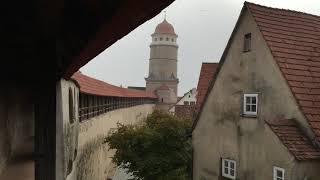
x=185, y=111
x=207, y=73
x=294, y=139
x=294, y=41
x=96, y=87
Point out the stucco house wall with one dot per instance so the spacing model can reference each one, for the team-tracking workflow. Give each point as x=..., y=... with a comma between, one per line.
x=66, y=130
x=4, y=150
x=16, y=121
x=222, y=132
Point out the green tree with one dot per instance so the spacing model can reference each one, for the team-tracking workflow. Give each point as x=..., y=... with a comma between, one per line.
x=157, y=149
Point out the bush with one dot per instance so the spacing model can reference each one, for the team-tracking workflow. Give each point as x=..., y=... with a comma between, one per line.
x=157, y=149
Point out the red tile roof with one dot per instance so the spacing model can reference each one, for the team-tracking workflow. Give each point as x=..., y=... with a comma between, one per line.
x=294, y=41
x=164, y=28
x=294, y=139
x=185, y=111
x=93, y=86
x=206, y=75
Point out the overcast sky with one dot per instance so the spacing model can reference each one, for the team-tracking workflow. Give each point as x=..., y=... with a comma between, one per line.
x=203, y=27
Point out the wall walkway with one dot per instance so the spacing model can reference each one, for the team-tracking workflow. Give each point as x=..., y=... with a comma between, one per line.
x=87, y=110
x=94, y=157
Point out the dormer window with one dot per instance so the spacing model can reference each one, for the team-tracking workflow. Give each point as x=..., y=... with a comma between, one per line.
x=247, y=42
x=250, y=104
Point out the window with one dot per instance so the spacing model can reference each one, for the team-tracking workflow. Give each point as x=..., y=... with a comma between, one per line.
x=192, y=102
x=278, y=173
x=172, y=40
x=247, y=42
x=186, y=102
x=71, y=106
x=250, y=104
x=155, y=39
x=167, y=39
x=228, y=168
x=161, y=39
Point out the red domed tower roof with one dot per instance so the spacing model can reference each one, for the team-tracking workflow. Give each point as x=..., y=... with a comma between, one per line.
x=164, y=28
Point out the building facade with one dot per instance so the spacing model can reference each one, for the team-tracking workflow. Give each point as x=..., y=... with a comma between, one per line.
x=162, y=78
x=260, y=118
x=189, y=98
x=185, y=106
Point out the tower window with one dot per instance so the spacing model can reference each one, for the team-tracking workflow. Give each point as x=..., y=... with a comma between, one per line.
x=247, y=42
x=172, y=40
x=161, y=39
x=155, y=39
x=167, y=39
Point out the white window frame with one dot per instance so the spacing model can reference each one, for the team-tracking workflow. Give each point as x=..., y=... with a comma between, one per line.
x=275, y=170
x=245, y=112
x=228, y=174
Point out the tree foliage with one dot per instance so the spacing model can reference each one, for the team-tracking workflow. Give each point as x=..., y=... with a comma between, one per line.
x=157, y=149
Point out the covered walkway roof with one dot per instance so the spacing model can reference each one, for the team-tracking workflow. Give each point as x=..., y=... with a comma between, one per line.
x=56, y=37
x=93, y=86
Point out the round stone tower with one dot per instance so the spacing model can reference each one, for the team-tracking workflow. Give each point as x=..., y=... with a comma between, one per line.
x=163, y=64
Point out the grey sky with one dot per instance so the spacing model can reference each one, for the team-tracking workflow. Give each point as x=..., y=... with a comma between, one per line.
x=203, y=27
